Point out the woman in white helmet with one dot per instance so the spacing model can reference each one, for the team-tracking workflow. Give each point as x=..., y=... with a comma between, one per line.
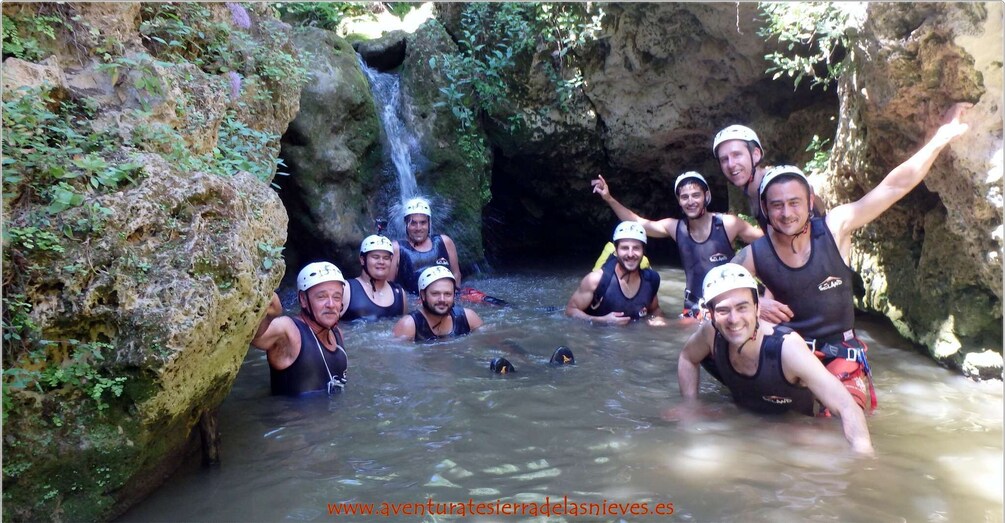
x=306, y=353
x=767, y=368
x=370, y=296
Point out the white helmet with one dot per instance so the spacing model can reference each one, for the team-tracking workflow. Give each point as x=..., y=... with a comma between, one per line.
x=434, y=273
x=724, y=278
x=694, y=175
x=735, y=132
x=417, y=206
x=629, y=231
x=318, y=272
x=375, y=242
x=780, y=170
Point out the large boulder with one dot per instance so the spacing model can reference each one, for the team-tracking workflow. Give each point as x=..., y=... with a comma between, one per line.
x=933, y=262
x=142, y=240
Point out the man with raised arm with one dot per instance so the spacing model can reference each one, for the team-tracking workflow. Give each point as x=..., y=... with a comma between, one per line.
x=803, y=260
x=704, y=240
x=421, y=250
x=620, y=291
x=439, y=317
x=766, y=368
x=306, y=353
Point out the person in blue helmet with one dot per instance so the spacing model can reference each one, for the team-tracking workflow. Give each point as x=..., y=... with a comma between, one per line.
x=306, y=353
x=621, y=291
x=704, y=240
x=766, y=367
x=438, y=317
x=421, y=249
x=803, y=260
x=369, y=296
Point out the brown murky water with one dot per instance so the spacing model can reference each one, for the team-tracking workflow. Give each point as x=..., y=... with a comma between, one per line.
x=431, y=422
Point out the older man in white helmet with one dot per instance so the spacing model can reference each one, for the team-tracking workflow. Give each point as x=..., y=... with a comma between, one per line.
x=620, y=291
x=703, y=239
x=766, y=368
x=421, y=250
x=306, y=353
x=439, y=317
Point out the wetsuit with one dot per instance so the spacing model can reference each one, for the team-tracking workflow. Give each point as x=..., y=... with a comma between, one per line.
x=699, y=258
x=308, y=372
x=362, y=307
x=608, y=298
x=423, y=332
x=767, y=391
x=411, y=262
x=821, y=297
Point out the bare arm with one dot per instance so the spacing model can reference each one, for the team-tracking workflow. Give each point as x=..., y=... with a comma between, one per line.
x=581, y=298
x=844, y=219
x=697, y=348
x=664, y=228
x=278, y=336
x=452, y=256
x=801, y=364
x=739, y=228
x=474, y=320
x=405, y=328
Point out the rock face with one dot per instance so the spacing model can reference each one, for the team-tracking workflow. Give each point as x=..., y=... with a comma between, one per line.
x=338, y=183
x=142, y=242
x=933, y=262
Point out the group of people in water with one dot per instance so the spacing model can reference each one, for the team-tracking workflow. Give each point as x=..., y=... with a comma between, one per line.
x=774, y=321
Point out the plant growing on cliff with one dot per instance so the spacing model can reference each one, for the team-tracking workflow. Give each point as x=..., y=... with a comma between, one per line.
x=815, y=34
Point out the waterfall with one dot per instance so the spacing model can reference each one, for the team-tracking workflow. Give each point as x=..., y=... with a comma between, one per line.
x=400, y=141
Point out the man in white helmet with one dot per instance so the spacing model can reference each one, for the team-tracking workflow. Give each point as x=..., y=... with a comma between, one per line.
x=620, y=291
x=370, y=296
x=766, y=368
x=421, y=250
x=704, y=240
x=306, y=353
x=439, y=317
x=803, y=260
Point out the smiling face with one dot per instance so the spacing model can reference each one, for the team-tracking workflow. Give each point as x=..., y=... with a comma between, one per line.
x=734, y=315
x=629, y=254
x=737, y=161
x=323, y=303
x=691, y=197
x=787, y=205
x=417, y=228
x=438, y=297
x=377, y=264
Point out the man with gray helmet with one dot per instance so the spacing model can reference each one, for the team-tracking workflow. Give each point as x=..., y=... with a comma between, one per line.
x=369, y=296
x=766, y=367
x=704, y=240
x=621, y=291
x=421, y=250
x=306, y=353
x=438, y=316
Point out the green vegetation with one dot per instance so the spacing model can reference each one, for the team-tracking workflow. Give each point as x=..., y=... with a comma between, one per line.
x=815, y=34
x=496, y=43
x=27, y=36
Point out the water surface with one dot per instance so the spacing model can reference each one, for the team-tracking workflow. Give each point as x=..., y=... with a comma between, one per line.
x=421, y=422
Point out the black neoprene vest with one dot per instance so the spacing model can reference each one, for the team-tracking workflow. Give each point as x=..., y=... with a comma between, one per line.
x=819, y=293
x=424, y=333
x=699, y=258
x=613, y=300
x=362, y=307
x=308, y=372
x=411, y=262
x=767, y=391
